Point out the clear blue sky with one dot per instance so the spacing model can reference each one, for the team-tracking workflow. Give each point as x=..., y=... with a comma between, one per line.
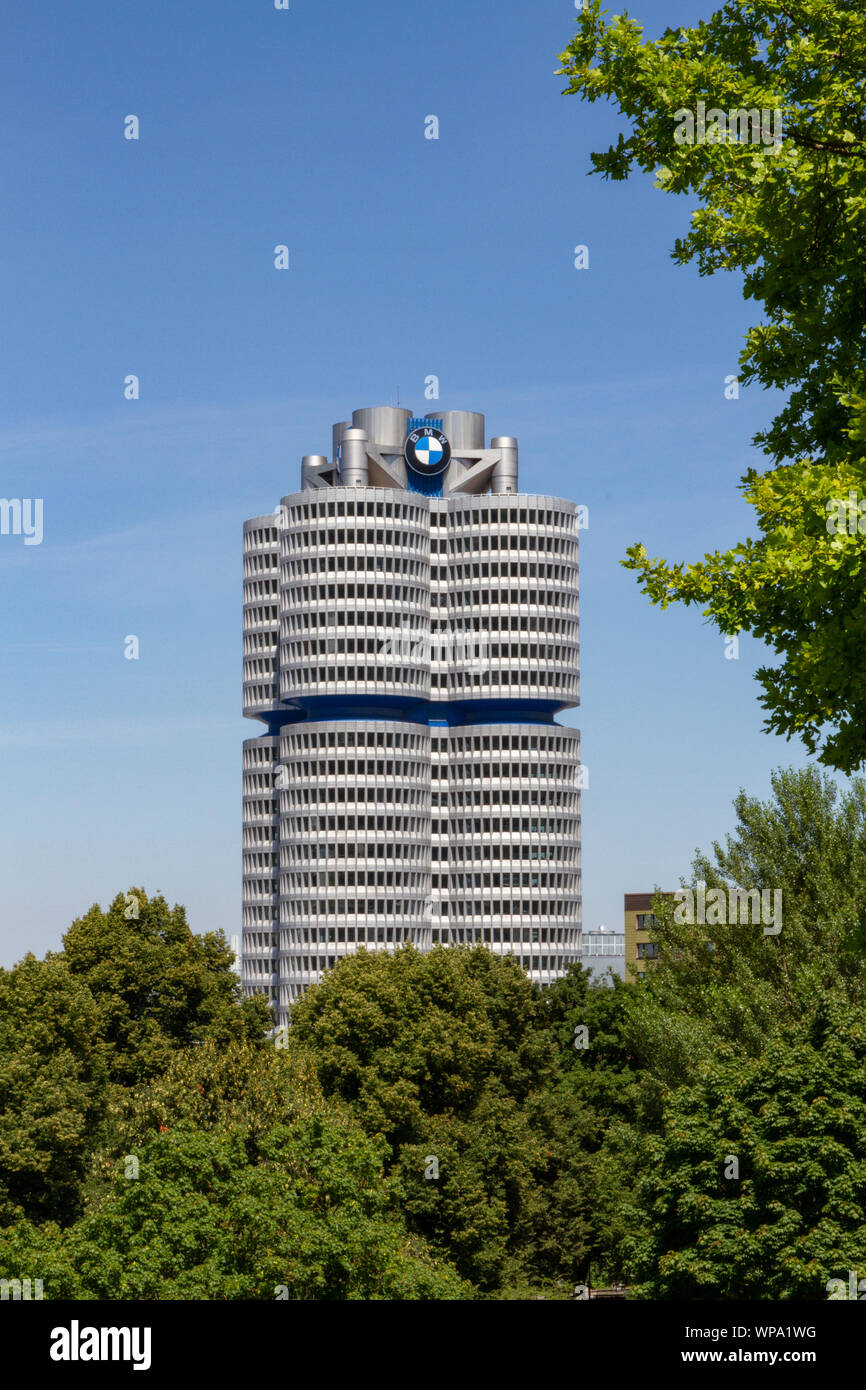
x=408, y=257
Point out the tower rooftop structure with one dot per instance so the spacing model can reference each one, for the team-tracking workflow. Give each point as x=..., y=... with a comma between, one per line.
x=371, y=451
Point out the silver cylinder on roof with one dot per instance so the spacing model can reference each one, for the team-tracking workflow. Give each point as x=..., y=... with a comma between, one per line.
x=505, y=471
x=310, y=464
x=385, y=425
x=464, y=429
x=354, y=469
x=337, y=434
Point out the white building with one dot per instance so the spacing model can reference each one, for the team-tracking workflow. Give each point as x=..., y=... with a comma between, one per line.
x=603, y=949
x=410, y=632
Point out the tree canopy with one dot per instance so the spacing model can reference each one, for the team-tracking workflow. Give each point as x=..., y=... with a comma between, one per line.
x=790, y=216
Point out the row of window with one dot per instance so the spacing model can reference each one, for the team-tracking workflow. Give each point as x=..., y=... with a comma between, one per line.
x=402, y=593
x=259, y=588
x=259, y=752
x=295, y=852
x=260, y=887
x=367, y=736
x=258, y=616
x=253, y=914
x=263, y=695
x=293, y=570
x=299, y=676
x=306, y=739
x=384, y=767
x=463, y=772
x=324, y=795
x=256, y=863
x=318, y=540
x=309, y=937
x=457, y=881
x=255, y=967
x=405, y=825
x=482, y=826
x=373, y=907
x=260, y=941
x=415, y=540
x=394, y=593
x=454, y=513
x=495, y=540
x=315, y=825
x=417, y=626
x=421, y=648
x=360, y=506
x=262, y=642
x=261, y=536
x=264, y=563
x=414, y=880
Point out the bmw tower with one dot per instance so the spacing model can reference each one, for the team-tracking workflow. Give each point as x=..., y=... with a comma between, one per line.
x=410, y=634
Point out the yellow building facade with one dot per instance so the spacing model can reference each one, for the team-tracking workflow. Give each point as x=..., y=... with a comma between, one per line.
x=640, y=948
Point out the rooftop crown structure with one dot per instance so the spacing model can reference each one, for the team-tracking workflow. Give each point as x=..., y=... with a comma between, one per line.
x=410, y=633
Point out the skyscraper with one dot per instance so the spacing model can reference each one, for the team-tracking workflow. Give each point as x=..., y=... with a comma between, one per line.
x=410, y=633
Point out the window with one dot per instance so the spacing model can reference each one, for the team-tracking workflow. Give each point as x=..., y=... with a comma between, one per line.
x=647, y=950
x=645, y=921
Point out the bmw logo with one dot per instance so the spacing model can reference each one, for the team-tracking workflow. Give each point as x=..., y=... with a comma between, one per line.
x=427, y=451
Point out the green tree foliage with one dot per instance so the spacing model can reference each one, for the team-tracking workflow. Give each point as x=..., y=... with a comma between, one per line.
x=596, y=1099
x=248, y=1186
x=724, y=990
x=53, y=1086
x=157, y=986
x=792, y=220
x=751, y=1045
x=792, y=1214
x=602, y=1072
x=447, y=1057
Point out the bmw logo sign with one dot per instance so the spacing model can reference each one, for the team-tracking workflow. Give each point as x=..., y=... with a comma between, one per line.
x=427, y=451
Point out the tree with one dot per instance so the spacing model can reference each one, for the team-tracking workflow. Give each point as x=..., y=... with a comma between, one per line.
x=749, y=1046
x=445, y=1056
x=229, y=1177
x=790, y=215
x=725, y=989
x=53, y=1085
x=157, y=986
x=597, y=1064
x=757, y=1187
x=403, y=1035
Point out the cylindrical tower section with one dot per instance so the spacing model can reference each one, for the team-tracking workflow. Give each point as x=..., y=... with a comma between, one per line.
x=464, y=428
x=355, y=596
x=260, y=891
x=355, y=843
x=337, y=433
x=508, y=845
x=512, y=603
x=384, y=425
x=354, y=468
x=261, y=615
x=505, y=471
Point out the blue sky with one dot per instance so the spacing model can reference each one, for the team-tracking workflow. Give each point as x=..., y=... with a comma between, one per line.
x=408, y=257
